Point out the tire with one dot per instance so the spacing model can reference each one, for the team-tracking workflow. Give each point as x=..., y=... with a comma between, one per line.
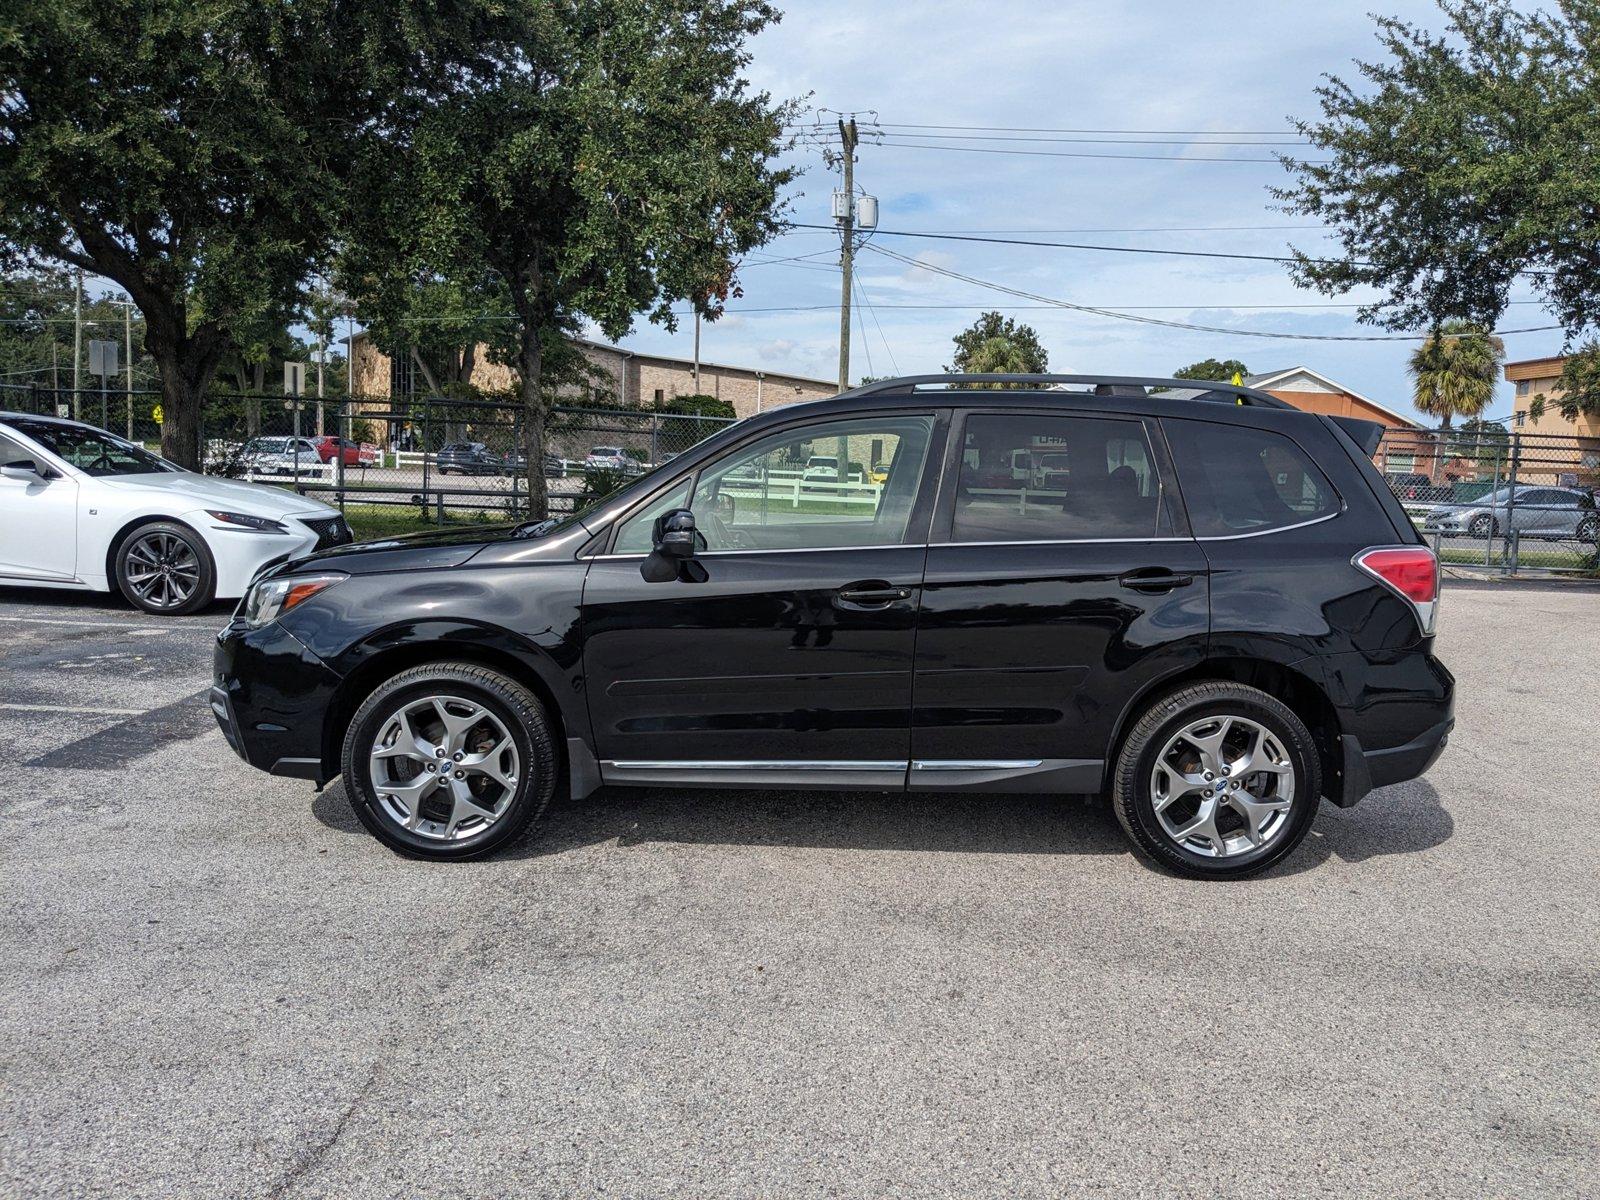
x=1249, y=844
x=166, y=568
x=436, y=824
x=1483, y=525
x=1589, y=530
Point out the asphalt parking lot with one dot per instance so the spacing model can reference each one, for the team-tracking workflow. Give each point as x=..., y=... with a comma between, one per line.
x=215, y=984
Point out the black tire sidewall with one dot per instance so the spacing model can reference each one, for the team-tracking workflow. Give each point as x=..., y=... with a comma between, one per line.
x=1238, y=700
x=502, y=696
x=205, y=591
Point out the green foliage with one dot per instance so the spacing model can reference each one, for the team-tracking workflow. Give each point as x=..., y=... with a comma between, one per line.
x=607, y=159
x=1481, y=441
x=696, y=406
x=997, y=344
x=1465, y=161
x=1580, y=383
x=195, y=153
x=1216, y=370
x=1454, y=371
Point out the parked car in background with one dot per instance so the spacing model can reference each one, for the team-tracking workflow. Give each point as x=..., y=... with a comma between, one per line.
x=1553, y=513
x=281, y=456
x=353, y=454
x=1414, y=488
x=468, y=458
x=83, y=509
x=1236, y=628
x=612, y=458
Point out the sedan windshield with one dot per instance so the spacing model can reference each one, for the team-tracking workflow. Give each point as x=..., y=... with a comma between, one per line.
x=93, y=451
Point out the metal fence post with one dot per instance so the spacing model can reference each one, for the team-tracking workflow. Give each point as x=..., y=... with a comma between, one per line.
x=1509, y=553
x=427, y=441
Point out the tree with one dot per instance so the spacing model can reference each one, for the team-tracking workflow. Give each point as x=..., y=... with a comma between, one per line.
x=1212, y=369
x=997, y=344
x=1454, y=371
x=610, y=162
x=194, y=153
x=1465, y=162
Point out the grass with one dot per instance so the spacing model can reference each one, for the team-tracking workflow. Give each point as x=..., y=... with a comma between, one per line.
x=370, y=521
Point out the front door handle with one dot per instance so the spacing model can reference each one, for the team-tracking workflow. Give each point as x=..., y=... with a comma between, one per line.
x=872, y=593
x=1153, y=579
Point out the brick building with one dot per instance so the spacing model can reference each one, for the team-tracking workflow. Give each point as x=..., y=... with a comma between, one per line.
x=638, y=379
x=1313, y=392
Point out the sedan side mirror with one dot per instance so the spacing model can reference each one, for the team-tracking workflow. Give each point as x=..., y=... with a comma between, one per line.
x=25, y=470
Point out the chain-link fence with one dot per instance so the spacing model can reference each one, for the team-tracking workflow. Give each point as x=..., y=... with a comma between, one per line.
x=1499, y=501
x=440, y=457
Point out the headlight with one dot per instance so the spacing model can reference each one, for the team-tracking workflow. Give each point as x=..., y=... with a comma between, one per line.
x=269, y=599
x=244, y=521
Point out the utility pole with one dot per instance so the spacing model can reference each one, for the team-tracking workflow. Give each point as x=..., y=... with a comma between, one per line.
x=845, y=214
x=77, y=338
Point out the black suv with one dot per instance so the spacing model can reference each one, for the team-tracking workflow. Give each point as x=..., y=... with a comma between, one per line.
x=1207, y=605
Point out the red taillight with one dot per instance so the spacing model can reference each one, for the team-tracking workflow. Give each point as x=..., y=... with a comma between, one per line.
x=1410, y=571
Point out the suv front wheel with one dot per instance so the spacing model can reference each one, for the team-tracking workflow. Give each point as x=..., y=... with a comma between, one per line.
x=449, y=761
x=1217, y=781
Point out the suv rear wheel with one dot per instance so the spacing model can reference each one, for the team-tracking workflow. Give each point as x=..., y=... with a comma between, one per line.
x=449, y=761
x=1217, y=781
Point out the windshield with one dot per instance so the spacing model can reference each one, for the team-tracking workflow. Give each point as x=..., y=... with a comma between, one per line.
x=93, y=451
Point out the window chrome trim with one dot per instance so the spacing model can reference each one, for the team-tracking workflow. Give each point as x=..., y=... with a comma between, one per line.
x=770, y=550
x=1233, y=537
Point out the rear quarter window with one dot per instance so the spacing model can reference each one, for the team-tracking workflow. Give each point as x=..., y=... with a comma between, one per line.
x=1239, y=480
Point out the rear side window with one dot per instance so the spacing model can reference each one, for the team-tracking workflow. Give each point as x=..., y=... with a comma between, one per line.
x=1241, y=480
x=1027, y=477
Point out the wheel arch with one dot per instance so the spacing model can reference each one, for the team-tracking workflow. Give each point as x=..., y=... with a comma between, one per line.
x=387, y=654
x=1299, y=685
x=130, y=526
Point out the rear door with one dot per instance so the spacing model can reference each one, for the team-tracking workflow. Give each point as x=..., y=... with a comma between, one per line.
x=1060, y=581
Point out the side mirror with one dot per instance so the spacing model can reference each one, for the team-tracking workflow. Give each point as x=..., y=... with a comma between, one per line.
x=674, y=534
x=23, y=469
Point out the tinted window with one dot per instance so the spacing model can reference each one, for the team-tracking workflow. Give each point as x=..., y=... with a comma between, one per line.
x=764, y=496
x=1241, y=480
x=91, y=451
x=1050, y=478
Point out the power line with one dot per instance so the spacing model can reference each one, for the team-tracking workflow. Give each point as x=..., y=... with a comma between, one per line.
x=1048, y=129
x=1170, y=158
x=1128, y=316
x=1072, y=141
x=867, y=304
x=968, y=237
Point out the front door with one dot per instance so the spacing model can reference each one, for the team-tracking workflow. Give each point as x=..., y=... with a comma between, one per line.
x=38, y=520
x=1059, y=583
x=784, y=654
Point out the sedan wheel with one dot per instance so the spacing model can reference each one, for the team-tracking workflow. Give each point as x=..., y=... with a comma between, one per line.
x=166, y=568
x=1483, y=525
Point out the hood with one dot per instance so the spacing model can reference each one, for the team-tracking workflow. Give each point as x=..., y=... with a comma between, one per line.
x=431, y=548
x=254, y=499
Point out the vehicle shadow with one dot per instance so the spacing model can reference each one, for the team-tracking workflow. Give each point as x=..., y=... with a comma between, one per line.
x=70, y=602
x=1404, y=819
x=967, y=823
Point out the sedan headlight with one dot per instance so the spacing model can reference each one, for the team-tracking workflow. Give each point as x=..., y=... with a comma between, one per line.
x=245, y=521
x=269, y=599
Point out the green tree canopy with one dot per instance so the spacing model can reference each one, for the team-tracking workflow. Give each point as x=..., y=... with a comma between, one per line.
x=610, y=161
x=1216, y=370
x=194, y=152
x=1464, y=163
x=1454, y=372
x=999, y=344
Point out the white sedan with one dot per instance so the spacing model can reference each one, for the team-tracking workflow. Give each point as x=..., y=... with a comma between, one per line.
x=82, y=509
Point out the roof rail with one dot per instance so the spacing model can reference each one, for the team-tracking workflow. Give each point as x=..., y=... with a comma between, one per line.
x=1103, y=385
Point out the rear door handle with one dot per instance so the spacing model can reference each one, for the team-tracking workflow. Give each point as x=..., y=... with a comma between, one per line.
x=872, y=593
x=1153, y=579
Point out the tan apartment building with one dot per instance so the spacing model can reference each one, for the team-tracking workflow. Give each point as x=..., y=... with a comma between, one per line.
x=637, y=380
x=1541, y=377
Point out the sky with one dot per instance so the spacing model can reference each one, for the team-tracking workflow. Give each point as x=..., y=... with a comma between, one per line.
x=1180, y=65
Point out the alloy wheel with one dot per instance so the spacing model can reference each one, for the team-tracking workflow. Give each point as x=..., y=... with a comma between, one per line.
x=443, y=767
x=162, y=569
x=1223, y=786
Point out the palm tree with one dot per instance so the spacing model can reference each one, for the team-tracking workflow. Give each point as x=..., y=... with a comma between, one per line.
x=1454, y=371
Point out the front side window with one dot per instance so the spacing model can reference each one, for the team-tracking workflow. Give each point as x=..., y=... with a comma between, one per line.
x=1037, y=477
x=1241, y=480
x=813, y=488
x=91, y=451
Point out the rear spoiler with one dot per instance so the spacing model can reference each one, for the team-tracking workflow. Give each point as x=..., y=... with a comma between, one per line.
x=1366, y=434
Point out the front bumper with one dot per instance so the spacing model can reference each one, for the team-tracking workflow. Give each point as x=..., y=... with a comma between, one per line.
x=270, y=695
